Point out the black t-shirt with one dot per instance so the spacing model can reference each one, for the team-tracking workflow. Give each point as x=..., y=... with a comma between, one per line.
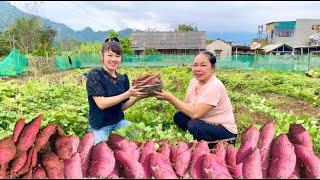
x=101, y=83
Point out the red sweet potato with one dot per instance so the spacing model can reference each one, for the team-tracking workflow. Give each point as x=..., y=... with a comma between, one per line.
x=161, y=167
x=296, y=174
x=220, y=150
x=213, y=167
x=283, y=158
x=234, y=169
x=115, y=174
x=7, y=150
x=74, y=143
x=249, y=140
x=267, y=133
x=63, y=147
x=4, y=174
x=183, y=157
x=29, y=134
x=131, y=165
x=53, y=166
x=311, y=163
x=147, y=149
x=165, y=149
x=27, y=175
x=72, y=167
x=299, y=135
x=118, y=142
x=17, y=129
x=18, y=162
x=26, y=166
x=84, y=149
x=197, y=158
x=251, y=167
x=44, y=135
x=39, y=173
x=102, y=161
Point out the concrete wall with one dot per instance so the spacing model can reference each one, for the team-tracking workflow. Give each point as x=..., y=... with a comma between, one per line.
x=302, y=32
x=226, y=49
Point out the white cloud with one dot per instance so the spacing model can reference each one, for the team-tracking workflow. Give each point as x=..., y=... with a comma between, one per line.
x=222, y=16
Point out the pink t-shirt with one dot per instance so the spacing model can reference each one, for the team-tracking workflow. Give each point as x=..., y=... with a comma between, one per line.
x=213, y=93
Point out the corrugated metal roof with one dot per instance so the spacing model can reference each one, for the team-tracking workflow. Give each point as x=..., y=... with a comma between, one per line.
x=272, y=47
x=169, y=40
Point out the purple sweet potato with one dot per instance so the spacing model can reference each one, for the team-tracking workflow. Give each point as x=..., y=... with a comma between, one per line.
x=147, y=149
x=63, y=147
x=299, y=135
x=267, y=133
x=17, y=129
x=39, y=172
x=161, y=167
x=102, y=161
x=311, y=163
x=7, y=150
x=213, y=167
x=183, y=157
x=249, y=140
x=131, y=165
x=53, y=166
x=72, y=167
x=234, y=169
x=29, y=134
x=18, y=162
x=115, y=174
x=118, y=142
x=197, y=158
x=283, y=158
x=251, y=167
x=84, y=149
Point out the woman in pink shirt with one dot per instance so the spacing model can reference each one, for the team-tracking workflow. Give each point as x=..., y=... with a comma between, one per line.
x=206, y=111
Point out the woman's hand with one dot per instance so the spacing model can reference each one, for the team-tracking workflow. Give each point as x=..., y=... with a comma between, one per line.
x=136, y=92
x=164, y=95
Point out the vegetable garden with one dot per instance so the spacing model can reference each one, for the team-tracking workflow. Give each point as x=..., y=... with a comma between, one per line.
x=257, y=97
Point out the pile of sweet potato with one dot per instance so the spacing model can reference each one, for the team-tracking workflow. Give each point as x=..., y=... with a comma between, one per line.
x=37, y=153
x=147, y=80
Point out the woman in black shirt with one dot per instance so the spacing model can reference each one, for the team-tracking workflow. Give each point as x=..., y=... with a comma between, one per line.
x=109, y=92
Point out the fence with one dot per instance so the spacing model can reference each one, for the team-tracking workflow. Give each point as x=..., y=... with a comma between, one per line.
x=240, y=62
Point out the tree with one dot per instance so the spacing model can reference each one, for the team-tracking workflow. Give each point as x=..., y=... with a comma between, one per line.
x=113, y=34
x=30, y=35
x=151, y=51
x=45, y=45
x=186, y=27
x=124, y=41
x=4, y=45
x=66, y=44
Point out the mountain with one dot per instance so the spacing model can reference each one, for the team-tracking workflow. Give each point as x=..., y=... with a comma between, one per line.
x=9, y=13
x=234, y=37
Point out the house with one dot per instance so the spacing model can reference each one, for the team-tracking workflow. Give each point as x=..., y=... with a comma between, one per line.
x=277, y=49
x=296, y=34
x=221, y=48
x=170, y=42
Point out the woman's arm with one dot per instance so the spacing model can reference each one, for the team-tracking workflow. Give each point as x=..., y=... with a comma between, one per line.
x=193, y=111
x=105, y=102
x=129, y=103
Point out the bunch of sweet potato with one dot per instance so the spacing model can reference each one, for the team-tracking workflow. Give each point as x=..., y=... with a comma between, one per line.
x=37, y=153
x=147, y=80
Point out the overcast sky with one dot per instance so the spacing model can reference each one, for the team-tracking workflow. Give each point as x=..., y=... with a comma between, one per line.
x=224, y=16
